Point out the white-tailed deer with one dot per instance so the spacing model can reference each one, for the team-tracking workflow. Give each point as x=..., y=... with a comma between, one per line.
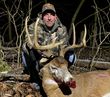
x=57, y=80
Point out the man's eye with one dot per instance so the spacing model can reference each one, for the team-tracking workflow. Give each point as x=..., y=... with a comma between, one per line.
x=53, y=14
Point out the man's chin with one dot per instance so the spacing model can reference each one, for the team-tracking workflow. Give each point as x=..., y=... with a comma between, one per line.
x=49, y=25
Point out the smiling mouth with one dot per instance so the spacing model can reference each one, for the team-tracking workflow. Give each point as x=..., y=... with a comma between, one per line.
x=49, y=22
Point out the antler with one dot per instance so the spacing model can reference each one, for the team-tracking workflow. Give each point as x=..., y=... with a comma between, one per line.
x=36, y=44
x=74, y=45
x=82, y=43
x=27, y=32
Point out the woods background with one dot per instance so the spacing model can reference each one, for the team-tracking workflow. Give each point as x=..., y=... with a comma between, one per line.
x=94, y=13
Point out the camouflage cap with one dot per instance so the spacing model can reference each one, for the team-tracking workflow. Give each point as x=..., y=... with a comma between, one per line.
x=48, y=6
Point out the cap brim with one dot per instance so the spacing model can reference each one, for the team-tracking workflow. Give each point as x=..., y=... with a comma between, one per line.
x=48, y=11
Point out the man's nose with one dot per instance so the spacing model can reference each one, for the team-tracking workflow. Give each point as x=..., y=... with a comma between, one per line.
x=49, y=16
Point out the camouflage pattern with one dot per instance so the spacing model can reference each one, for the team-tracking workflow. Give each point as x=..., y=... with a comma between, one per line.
x=48, y=6
x=45, y=36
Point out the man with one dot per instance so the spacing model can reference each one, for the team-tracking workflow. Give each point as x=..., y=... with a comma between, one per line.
x=49, y=27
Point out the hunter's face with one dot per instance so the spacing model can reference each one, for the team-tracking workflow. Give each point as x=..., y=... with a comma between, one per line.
x=49, y=19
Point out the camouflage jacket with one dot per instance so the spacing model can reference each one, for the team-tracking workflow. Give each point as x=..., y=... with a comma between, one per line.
x=45, y=36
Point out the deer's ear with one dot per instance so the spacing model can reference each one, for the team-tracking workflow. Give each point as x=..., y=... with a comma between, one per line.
x=53, y=68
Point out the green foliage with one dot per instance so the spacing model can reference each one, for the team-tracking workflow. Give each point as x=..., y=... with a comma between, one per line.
x=4, y=66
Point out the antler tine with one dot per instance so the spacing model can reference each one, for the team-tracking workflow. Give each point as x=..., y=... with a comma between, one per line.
x=84, y=37
x=44, y=47
x=74, y=34
x=27, y=32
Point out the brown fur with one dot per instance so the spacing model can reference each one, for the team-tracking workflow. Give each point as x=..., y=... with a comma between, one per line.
x=89, y=84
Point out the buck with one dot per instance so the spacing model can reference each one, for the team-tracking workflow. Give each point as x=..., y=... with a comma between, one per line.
x=57, y=81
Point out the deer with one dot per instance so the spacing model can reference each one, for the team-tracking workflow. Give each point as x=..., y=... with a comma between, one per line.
x=57, y=81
